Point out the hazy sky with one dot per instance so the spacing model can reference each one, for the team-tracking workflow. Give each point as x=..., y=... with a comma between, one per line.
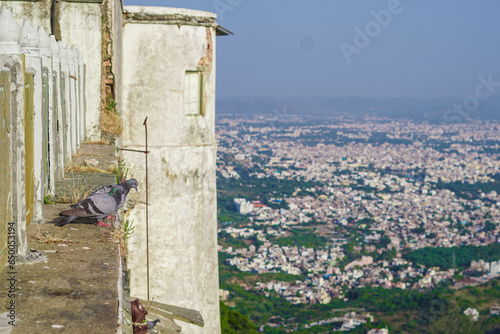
x=327, y=48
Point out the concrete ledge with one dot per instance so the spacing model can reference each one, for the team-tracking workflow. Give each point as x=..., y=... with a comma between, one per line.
x=99, y=156
x=71, y=280
x=71, y=287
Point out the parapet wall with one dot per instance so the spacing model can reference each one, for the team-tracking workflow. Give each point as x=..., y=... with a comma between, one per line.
x=76, y=23
x=44, y=118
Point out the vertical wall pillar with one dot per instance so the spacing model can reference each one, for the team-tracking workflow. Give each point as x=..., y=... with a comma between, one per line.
x=29, y=47
x=65, y=102
x=56, y=126
x=73, y=99
x=5, y=161
x=81, y=94
x=11, y=58
x=76, y=90
x=48, y=112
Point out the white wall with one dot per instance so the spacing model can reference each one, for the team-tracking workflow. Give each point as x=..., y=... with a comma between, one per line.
x=182, y=183
x=81, y=25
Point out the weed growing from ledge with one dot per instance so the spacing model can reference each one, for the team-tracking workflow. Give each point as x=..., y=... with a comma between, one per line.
x=111, y=120
x=121, y=171
x=122, y=234
x=47, y=199
x=128, y=228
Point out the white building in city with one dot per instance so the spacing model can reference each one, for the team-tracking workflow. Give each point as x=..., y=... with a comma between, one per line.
x=243, y=206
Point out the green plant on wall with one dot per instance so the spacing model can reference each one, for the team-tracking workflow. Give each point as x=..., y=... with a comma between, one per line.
x=128, y=228
x=48, y=199
x=110, y=106
x=121, y=171
x=111, y=120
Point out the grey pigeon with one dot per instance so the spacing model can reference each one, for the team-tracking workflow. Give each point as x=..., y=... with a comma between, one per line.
x=94, y=206
x=125, y=186
x=152, y=324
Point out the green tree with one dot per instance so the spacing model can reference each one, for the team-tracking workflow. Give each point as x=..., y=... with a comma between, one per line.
x=489, y=226
x=233, y=322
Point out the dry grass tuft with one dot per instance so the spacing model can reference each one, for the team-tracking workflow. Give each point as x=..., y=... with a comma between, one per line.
x=111, y=122
x=75, y=192
x=122, y=234
x=46, y=238
x=117, y=235
x=98, y=142
x=88, y=169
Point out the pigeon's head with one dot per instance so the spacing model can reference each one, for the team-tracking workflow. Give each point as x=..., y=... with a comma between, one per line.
x=132, y=183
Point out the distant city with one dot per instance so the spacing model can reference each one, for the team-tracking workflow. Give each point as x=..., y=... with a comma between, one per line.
x=376, y=194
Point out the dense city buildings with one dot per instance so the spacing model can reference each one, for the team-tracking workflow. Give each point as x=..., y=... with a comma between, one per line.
x=372, y=193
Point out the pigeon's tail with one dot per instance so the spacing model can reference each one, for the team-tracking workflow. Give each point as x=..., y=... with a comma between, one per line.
x=65, y=220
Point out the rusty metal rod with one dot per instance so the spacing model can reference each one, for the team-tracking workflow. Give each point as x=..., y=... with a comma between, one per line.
x=130, y=150
x=147, y=197
x=147, y=201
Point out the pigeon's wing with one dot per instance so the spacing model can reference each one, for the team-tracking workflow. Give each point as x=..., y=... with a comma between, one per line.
x=65, y=220
x=78, y=212
x=101, y=204
x=103, y=190
x=93, y=206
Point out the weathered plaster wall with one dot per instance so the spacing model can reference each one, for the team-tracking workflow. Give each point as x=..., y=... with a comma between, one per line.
x=78, y=23
x=182, y=183
x=37, y=11
x=81, y=24
x=117, y=47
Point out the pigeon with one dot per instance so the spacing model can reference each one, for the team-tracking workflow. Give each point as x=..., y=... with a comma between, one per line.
x=126, y=186
x=152, y=324
x=96, y=206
